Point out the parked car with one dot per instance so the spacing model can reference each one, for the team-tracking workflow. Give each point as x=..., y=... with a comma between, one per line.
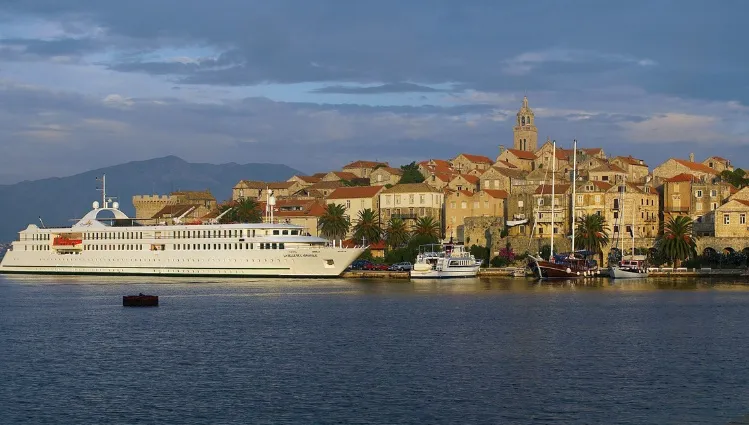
x=359, y=265
x=373, y=266
x=402, y=267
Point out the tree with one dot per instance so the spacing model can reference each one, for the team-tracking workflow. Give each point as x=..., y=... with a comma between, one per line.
x=411, y=174
x=245, y=210
x=591, y=234
x=396, y=233
x=367, y=228
x=677, y=241
x=426, y=226
x=736, y=177
x=334, y=223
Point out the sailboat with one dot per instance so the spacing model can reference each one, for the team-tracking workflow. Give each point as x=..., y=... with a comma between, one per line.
x=568, y=266
x=631, y=266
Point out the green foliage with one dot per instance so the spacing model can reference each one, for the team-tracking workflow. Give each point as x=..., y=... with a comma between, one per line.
x=736, y=177
x=388, y=186
x=366, y=255
x=410, y=250
x=411, y=174
x=506, y=257
x=367, y=228
x=503, y=233
x=357, y=182
x=334, y=224
x=677, y=241
x=480, y=252
x=396, y=234
x=590, y=232
x=426, y=226
x=245, y=210
x=499, y=262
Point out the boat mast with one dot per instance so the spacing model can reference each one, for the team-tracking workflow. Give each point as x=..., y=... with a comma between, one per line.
x=103, y=190
x=553, y=183
x=574, y=183
x=634, y=205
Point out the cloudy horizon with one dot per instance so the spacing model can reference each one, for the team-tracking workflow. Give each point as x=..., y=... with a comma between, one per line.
x=86, y=84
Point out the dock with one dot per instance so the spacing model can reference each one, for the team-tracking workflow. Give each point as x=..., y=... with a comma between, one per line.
x=375, y=274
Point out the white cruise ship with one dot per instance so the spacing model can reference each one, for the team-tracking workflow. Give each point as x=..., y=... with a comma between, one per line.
x=118, y=245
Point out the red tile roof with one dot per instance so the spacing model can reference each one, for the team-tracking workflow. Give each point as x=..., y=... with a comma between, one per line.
x=470, y=178
x=745, y=202
x=696, y=166
x=602, y=185
x=592, y=151
x=506, y=164
x=546, y=189
x=631, y=161
x=391, y=170
x=355, y=192
x=683, y=177
x=308, y=179
x=522, y=154
x=345, y=175
x=479, y=159
x=494, y=193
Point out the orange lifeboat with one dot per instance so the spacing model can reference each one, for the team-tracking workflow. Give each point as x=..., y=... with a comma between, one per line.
x=63, y=241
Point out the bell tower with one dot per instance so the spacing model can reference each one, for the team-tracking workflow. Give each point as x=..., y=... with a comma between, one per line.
x=525, y=131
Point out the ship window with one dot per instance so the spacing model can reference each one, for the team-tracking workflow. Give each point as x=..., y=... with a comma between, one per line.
x=281, y=246
x=295, y=232
x=275, y=246
x=275, y=232
x=285, y=232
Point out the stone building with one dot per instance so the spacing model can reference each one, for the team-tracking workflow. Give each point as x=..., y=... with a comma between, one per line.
x=385, y=175
x=718, y=164
x=525, y=133
x=462, y=204
x=498, y=178
x=363, y=169
x=199, y=203
x=258, y=190
x=696, y=197
x=523, y=160
x=631, y=208
x=610, y=173
x=356, y=199
x=464, y=182
x=731, y=219
x=636, y=169
x=411, y=201
x=673, y=167
x=463, y=163
x=543, y=211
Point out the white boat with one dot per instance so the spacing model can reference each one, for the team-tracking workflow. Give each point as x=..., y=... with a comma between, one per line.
x=120, y=245
x=631, y=267
x=436, y=261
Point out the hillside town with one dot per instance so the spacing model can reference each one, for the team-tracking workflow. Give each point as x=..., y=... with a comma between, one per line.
x=505, y=200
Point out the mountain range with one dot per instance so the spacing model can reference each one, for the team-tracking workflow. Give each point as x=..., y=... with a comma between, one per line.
x=60, y=199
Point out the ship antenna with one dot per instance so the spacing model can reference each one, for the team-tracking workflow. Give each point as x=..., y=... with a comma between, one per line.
x=103, y=190
x=42, y=222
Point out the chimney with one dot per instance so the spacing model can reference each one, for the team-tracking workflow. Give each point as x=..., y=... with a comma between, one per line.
x=691, y=157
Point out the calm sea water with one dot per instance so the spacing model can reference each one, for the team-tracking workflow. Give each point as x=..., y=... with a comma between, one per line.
x=341, y=351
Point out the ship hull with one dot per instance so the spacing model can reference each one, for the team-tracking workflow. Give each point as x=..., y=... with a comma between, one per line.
x=322, y=262
x=452, y=273
x=619, y=273
x=548, y=270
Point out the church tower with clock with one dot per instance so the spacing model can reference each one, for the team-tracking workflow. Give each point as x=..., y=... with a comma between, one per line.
x=525, y=131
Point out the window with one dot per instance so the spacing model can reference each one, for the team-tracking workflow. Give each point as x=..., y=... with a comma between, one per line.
x=486, y=184
x=422, y=199
x=411, y=199
x=698, y=205
x=452, y=204
x=714, y=206
x=726, y=219
x=742, y=218
x=713, y=193
x=579, y=199
x=598, y=199
x=463, y=205
x=387, y=200
x=348, y=204
x=520, y=204
x=379, y=177
x=676, y=188
x=476, y=204
x=698, y=194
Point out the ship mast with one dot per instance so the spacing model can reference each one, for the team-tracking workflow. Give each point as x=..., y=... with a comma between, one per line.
x=553, y=183
x=103, y=190
x=574, y=181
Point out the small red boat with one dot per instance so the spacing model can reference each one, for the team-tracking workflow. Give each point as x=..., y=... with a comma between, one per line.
x=140, y=300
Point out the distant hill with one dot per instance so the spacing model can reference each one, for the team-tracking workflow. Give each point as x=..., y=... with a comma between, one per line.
x=57, y=200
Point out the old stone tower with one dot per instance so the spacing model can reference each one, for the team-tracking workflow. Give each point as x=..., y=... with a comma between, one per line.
x=525, y=131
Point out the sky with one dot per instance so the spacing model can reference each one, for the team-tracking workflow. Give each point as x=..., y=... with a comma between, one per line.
x=316, y=84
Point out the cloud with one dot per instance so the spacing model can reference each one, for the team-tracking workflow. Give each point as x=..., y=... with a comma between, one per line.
x=527, y=62
x=675, y=127
x=383, y=88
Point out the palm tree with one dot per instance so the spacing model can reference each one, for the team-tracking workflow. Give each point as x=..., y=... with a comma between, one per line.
x=426, y=226
x=591, y=234
x=676, y=240
x=367, y=228
x=396, y=233
x=334, y=223
x=245, y=210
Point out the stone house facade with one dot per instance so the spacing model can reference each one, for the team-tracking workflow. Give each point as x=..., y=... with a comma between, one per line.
x=731, y=219
x=411, y=201
x=718, y=164
x=673, y=167
x=464, y=182
x=355, y=200
x=363, y=169
x=385, y=175
x=523, y=160
x=636, y=169
x=462, y=204
x=464, y=162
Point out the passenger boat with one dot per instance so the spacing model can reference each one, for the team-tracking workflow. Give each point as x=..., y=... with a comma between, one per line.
x=440, y=261
x=630, y=267
x=120, y=245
